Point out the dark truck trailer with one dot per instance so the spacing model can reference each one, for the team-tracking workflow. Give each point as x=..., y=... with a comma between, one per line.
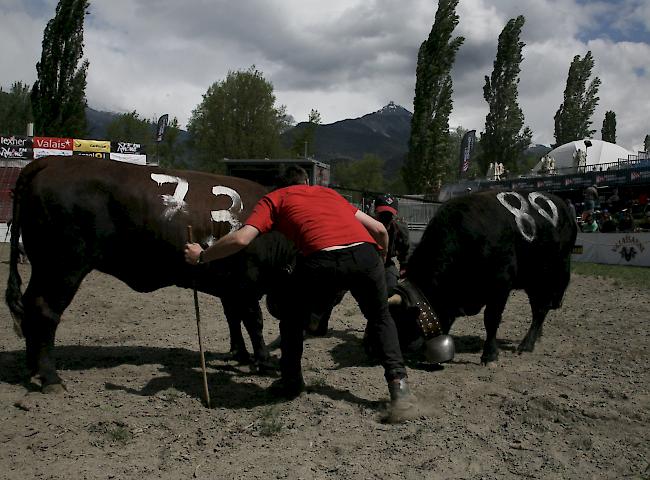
x=267, y=171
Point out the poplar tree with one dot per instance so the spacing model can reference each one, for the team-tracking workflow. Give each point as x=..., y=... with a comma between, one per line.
x=59, y=93
x=429, y=142
x=573, y=118
x=503, y=140
x=608, y=132
x=646, y=143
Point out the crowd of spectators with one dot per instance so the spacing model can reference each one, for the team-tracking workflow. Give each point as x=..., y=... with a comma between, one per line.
x=612, y=214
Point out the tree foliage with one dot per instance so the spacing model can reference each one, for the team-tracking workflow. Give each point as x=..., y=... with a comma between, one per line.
x=573, y=118
x=236, y=119
x=503, y=140
x=129, y=127
x=15, y=109
x=608, y=132
x=59, y=93
x=429, y=142
x=646, y=143
x=305, y=135
x=364, y=174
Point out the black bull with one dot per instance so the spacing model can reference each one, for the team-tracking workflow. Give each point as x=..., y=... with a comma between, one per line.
x=478, y=248
x=77, y=214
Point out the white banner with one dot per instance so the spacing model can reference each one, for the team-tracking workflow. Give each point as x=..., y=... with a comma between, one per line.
x=129, y=158
x=613, y=248
x=44, y=152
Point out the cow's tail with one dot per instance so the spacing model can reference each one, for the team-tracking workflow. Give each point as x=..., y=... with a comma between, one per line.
x=13, y=294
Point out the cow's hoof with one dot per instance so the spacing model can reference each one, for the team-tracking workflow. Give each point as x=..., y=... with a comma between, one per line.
x=54, y=388
x=240, y=356
x=266, y=367
x=525, y=347
x=286, y=389
x=488, y=359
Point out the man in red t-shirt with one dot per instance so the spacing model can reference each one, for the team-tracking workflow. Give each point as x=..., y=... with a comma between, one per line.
x=338, y=251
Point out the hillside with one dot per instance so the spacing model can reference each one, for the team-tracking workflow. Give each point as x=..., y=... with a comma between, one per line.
x=384, y=133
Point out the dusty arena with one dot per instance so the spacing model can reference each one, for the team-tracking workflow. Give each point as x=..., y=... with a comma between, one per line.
x=576, y=408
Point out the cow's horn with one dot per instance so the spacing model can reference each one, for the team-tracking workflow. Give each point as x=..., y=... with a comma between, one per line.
x=396, y=299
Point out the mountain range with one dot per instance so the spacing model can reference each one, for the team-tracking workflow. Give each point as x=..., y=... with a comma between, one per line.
x=384, y=133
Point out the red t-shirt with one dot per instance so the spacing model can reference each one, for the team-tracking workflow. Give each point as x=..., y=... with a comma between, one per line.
x=313, y=217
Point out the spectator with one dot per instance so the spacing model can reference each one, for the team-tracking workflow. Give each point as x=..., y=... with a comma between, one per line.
x=572, y=209
x=591, y=198
x=589, y=225
x=614, y=201
x=626, y=221
x=607, y=222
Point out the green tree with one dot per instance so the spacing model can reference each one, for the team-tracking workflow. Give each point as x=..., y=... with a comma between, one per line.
x=129, y=127
x=364, y=174
x=305, y=135
x=503, y=140
x=236, y=119
x=423, y=170
x=573, y=118
x=59, y=93
x=608, y=132
x=171, y=150
x=646, y=143
x=15, y=109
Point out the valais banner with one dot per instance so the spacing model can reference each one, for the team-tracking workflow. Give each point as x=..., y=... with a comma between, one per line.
x=44, y=146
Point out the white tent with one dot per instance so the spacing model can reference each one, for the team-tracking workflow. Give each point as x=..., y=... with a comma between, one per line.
x=598, y=153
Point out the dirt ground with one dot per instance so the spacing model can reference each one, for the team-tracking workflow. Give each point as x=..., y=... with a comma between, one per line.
x=576, y=408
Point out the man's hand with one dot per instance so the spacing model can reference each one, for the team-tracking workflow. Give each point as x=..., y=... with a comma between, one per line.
x=192, y=253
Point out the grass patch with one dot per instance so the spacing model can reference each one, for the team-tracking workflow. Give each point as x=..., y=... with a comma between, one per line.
x=270, y=421
x=638, y=277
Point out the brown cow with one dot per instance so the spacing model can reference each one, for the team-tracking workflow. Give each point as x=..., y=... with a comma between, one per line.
x=77, y=214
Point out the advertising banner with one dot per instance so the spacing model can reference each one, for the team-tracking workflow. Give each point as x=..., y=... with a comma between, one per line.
x=466, y=147
x=53, y=143
x=129, y=158
x=15, y=147
x=127, y=147
x=102, y=155
x=613, y=248
x=102, y=146
x=44, y=152
x=162, y=126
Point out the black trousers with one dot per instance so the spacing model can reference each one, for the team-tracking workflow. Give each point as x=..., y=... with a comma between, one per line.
x=317, y=281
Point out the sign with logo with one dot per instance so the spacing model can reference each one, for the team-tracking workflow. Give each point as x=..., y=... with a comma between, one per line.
x=53, y=143
x=16, y=148
x=127, y=148
x=92, y=146
x=613, y=248
x=102, y=155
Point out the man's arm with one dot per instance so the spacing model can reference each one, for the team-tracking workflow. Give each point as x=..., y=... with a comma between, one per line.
x=376, y=230
x=224, y=247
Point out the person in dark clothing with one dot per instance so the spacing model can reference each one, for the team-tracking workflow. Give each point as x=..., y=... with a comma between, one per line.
x=386, y=208
x=338, y=247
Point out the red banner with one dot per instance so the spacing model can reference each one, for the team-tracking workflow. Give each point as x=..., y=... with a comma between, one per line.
x=53, y=143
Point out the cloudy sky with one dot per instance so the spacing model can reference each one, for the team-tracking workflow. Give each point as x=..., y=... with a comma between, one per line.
x=344, y=58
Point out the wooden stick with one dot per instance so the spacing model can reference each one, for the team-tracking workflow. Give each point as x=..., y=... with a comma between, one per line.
x=206, y=391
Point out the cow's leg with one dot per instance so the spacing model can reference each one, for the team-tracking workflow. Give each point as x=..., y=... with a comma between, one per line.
x=540, y=310
x=248, y=312
x=492, y=320
x=44, y=301
x=235, y=316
